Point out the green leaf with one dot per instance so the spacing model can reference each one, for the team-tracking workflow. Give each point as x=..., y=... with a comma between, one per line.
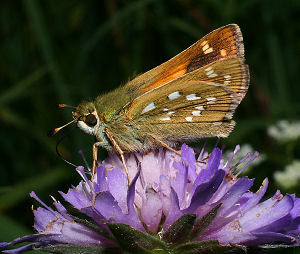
x=135, y=241
x=180, y=229
x=72, y=249
x=202, y=224
x=205, y=248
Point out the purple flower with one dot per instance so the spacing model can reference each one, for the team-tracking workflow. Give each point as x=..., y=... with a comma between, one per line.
x=185, y=202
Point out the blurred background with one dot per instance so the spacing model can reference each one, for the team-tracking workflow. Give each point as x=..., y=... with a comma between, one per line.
x=67, y=51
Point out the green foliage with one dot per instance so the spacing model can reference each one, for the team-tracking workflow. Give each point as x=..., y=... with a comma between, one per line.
x=67, y=51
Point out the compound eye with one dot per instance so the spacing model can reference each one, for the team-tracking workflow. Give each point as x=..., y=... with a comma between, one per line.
x=90, y=120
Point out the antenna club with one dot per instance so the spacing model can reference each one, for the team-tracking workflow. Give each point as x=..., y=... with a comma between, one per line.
x=62, y=105
x=54, y=131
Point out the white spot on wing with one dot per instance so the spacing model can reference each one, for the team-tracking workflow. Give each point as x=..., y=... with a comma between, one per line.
x=165, y=118
x=173, y=96
x=192, y=97
x=200, y=107
x=209, y=50
x=211, y=100
x=227, y=79
x=189, y=118
x=149, y=107
x=203, y=43
x=208, y=69
x=196, y=113
x=166, y=109
x=212, y=75
x=205, y=47
x=210, y=72
x=171, y=112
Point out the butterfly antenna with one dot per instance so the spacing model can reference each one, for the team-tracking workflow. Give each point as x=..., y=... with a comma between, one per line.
x=57, y=151
x=66, y=106
x=54, y=131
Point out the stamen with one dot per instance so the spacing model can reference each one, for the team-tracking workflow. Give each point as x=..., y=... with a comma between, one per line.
x=202, y=151
x=84, y=160
x=81, y=172
x=33, y=195
x=254, y=156
x=233, y=169
x=232, y=154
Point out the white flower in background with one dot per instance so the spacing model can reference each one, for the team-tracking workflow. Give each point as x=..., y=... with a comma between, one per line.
x=285, y=131
x=240, y=152
x=290, y=177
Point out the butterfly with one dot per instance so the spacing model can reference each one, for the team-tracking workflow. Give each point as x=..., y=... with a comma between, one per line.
x=191, y=96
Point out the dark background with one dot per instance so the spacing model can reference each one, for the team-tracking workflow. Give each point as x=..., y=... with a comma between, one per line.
x=66, y=51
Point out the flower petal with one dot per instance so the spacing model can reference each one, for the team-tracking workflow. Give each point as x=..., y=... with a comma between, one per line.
x=78, y=200
x=101, y=183
x=132, y=216
x=207, y=173
x=205, y=191
x=270, y=237
x=152, y=210
x=117, y=186
x=42, y=218
x=165, y=193
x=179, y=182
x=241, y=229
x=188, y=157
x=174, y=212
x=108, y=207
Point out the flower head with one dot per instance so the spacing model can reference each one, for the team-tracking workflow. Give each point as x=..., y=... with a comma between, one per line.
x=170, y=201
x=285, y=131
x=290, y=176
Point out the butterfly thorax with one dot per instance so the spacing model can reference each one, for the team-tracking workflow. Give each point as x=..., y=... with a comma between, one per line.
x=105, y=114
x=110, y=104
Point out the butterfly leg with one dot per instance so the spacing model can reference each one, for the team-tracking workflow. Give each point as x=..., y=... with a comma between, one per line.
x=119, y=150
x=95, y=158
x=165, y=145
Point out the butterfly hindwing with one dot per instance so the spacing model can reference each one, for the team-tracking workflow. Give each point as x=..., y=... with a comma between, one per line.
x=210, y=93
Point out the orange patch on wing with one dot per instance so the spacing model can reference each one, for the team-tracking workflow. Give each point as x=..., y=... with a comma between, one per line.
x=164, y=78
x=223, y=52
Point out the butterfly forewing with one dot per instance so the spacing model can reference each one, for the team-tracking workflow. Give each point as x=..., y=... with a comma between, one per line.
x=221, y=43
x=231, y=72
